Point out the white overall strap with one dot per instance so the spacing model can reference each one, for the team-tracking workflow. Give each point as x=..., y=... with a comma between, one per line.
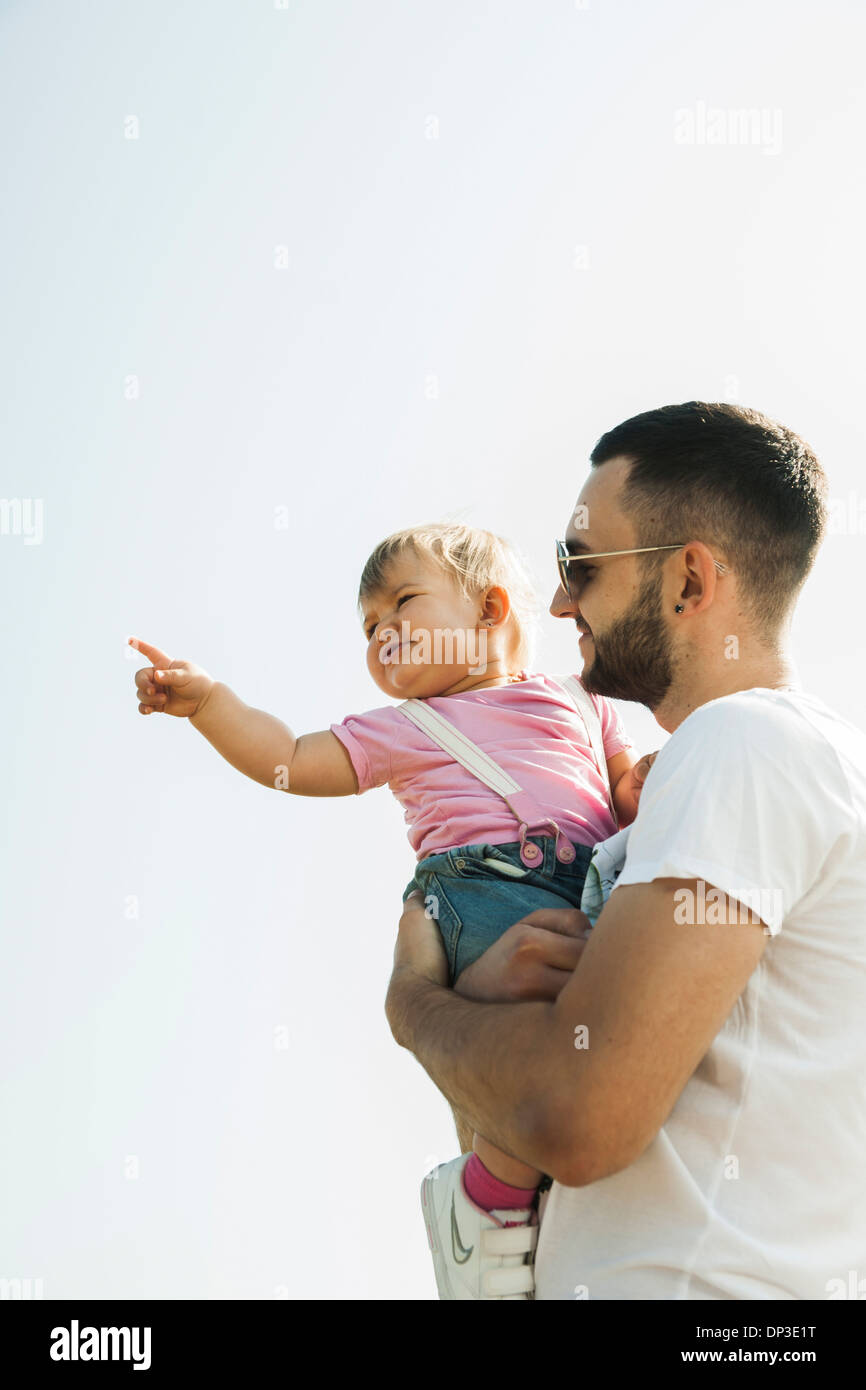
x=459, y=746
x=462, y=749
x=588, y=713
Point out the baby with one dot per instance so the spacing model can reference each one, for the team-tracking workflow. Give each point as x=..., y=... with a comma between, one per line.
x=507, y=777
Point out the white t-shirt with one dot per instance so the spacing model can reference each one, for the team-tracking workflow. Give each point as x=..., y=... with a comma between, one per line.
x=755, y=1187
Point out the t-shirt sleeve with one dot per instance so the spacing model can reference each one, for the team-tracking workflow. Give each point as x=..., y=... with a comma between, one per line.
x=368, y=739
x=613, y=730
x=746, y=797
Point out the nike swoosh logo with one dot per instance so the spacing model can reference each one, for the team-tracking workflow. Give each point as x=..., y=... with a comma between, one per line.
x=461, y=1254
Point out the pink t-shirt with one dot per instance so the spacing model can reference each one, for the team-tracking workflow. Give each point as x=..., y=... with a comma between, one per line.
x=531, y=728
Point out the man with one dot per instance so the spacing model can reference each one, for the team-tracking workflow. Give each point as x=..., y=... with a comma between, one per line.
x=692, y=1078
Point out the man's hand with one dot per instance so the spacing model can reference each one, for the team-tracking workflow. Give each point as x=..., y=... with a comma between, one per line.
x=534, y=959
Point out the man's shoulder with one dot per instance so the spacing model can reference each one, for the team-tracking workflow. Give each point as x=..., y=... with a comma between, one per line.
x=789, y=728
x=785, y=713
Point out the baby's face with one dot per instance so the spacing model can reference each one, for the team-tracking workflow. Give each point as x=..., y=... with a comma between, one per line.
x=423, y=635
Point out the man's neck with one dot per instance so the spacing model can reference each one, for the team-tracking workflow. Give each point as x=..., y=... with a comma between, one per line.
x=697, y=682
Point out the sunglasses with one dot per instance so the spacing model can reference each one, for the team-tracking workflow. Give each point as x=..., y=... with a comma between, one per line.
x=572, y=586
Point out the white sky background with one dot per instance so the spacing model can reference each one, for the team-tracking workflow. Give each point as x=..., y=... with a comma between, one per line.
x=557, y=261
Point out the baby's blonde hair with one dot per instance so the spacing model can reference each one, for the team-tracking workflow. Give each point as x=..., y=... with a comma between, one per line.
x=477, y=560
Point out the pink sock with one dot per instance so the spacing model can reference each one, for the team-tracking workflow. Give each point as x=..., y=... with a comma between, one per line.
x=489, y=1192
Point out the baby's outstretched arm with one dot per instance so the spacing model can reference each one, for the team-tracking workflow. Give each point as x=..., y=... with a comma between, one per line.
x=256, y=743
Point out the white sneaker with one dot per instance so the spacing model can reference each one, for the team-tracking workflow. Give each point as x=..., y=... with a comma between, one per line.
x=475, y=1254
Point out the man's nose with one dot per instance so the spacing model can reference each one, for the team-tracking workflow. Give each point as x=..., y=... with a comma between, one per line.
x=561, y=606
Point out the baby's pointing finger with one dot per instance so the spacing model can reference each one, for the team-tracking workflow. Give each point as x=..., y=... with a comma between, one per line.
x=154, y=654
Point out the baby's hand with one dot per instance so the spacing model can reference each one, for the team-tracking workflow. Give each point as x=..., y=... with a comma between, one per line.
x=628, y=793
x=170, y=687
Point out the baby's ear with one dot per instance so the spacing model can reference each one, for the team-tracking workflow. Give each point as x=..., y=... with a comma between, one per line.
x=495, y=606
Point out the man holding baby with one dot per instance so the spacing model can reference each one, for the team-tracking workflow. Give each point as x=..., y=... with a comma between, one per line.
x=691, y=1075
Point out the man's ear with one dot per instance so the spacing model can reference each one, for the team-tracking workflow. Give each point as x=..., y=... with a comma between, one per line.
x=699, y=578
x=495, y=606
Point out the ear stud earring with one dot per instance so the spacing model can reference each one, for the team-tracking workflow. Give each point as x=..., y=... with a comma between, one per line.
x=679, y=608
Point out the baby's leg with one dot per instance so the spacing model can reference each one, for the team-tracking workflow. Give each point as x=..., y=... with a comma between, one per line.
x=499, y=1164
x=502, y=1166
x=496, y=1161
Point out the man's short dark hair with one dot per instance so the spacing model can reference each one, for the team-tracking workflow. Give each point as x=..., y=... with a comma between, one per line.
x=749, y=488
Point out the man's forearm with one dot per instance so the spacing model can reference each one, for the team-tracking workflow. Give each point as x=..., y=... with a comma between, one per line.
x=488, y=1060
x=254, y=742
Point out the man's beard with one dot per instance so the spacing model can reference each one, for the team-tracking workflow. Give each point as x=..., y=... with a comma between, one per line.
x=633, y=659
